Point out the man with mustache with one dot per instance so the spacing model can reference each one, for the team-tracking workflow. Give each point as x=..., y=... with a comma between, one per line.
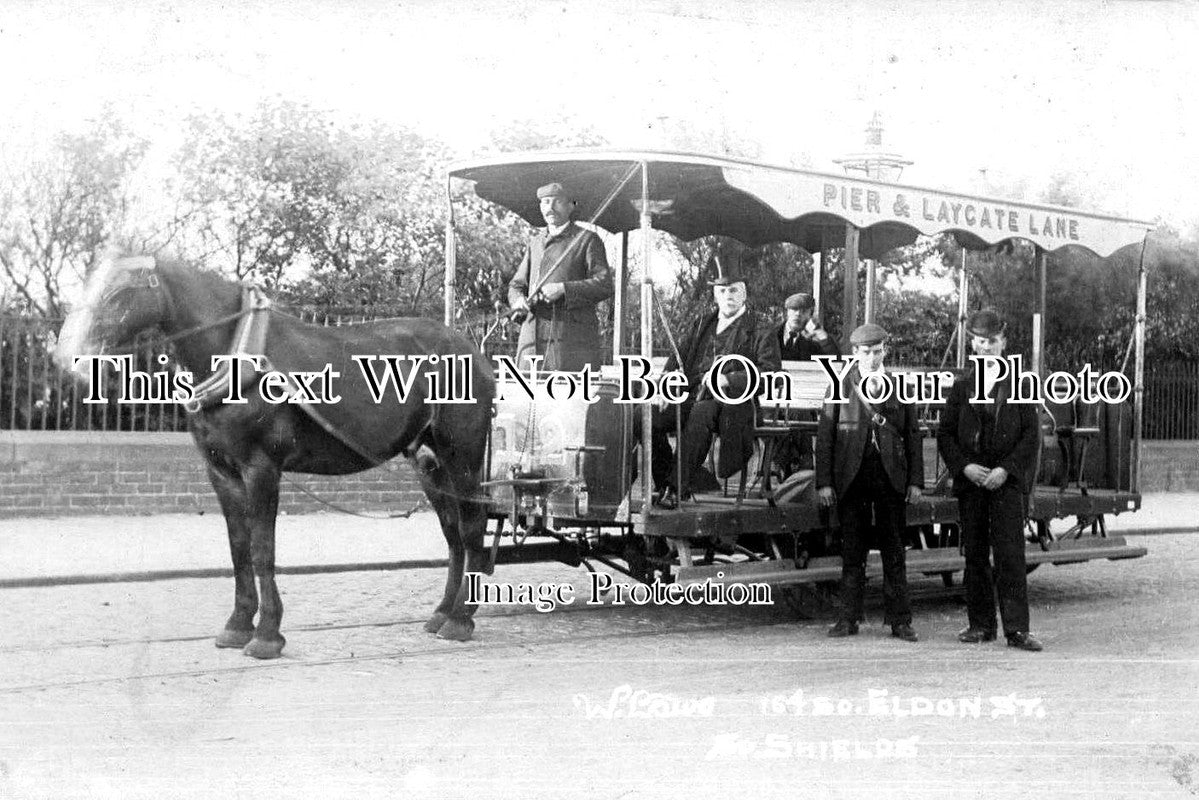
x=566, y=269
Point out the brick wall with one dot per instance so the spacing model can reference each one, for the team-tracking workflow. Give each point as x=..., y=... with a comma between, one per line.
x=51, y=473
x=1170, y=466
x=45, y=473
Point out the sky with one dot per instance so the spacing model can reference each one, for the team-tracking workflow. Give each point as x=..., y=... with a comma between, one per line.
x=1016, y=91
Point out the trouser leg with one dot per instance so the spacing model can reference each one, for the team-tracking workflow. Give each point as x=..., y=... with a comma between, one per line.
x=976, y=541
x=854, y=513
x=662, y=461
x=698, y=431
x=897, y=603
x=1011, y=573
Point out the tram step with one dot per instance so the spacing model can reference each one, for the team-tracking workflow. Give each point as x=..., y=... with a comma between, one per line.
x=930, y=562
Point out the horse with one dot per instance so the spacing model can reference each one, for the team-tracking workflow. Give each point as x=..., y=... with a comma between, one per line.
x=247, y=445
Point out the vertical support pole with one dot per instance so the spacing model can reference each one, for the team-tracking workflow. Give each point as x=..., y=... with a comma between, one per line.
x=871, y=288
x=818, y=284
x=1038, y=317
x=963, y=304
x=451, y=256
x=849, y=266
x=622, y=279
x=1138, y=401
x=647, y=346
x=626, y=418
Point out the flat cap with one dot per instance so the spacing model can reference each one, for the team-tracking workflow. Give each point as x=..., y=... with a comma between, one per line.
x=800, y=302
x=867, y=335
x=985, y=323
x=553, y=190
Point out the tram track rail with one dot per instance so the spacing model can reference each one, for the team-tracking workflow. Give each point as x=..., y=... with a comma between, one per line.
x=441, y=649
x=201, y=573
x=743, y=621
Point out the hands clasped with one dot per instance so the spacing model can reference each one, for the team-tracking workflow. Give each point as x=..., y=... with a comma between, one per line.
x=989, y=479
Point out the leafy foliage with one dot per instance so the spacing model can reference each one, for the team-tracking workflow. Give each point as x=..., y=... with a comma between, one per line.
x=60, y=210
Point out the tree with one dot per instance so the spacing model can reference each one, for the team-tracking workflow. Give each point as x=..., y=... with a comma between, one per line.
x=340, y=217
x=541, y=134
x=61, y=209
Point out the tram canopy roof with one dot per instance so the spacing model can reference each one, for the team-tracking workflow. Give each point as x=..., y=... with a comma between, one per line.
x=695, y=195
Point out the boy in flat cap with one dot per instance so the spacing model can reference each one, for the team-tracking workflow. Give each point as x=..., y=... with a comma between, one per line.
x=566, y=270
x=991, y=451
x=800, y=335
x=870, y=463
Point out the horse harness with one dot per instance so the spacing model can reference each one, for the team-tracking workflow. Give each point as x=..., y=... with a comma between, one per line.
x=249, y=342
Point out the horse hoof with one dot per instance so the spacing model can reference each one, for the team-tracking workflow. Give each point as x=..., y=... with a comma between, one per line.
x=435, y=622
x=234, y=638
x=263, y=648
x=457, y=630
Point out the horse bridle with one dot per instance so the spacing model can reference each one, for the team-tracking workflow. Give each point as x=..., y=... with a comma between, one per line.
x=146, y=277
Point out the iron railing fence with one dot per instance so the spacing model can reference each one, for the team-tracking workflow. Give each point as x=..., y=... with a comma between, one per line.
x=35, y=395
x=1172, y=400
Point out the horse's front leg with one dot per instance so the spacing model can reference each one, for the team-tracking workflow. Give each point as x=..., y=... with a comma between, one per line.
x=231, y=493
x=472, y=526
x=433, y=481
x=261, y=477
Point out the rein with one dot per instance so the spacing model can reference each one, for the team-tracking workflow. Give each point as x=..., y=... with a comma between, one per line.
x=249, y=339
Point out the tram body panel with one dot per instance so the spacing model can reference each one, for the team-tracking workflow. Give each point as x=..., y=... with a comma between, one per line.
x=570, y=440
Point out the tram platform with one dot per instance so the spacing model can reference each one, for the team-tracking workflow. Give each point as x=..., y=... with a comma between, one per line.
x=99, y=549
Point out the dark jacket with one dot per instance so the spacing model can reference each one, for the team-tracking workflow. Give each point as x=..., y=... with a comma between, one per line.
x=843, y=434
x=804, y=349
x=1013, y=443
x=751, y=337
x=565, y=332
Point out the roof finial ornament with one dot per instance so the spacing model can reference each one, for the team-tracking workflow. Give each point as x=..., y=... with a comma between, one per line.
x=876, y=163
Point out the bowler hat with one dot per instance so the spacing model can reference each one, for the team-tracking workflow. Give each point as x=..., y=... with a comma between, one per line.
x=800, y=302
x=867, y=335
x=985, y=323
x=554, y=189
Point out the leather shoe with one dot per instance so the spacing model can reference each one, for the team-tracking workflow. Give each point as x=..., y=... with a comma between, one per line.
x=668, y=500
x=843, y=628
x=976, y=636
x=904, y=632
x=1024, y=640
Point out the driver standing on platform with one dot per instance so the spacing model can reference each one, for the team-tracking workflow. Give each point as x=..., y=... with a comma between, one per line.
x=566, y=269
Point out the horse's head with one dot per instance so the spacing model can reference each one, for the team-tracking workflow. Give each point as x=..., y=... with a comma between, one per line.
x=122, y=298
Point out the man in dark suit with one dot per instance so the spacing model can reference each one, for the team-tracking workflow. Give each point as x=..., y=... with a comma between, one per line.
x=733, y=329
x=800, y=336
x=869, y=463
x=991, y=450
x=566, y=269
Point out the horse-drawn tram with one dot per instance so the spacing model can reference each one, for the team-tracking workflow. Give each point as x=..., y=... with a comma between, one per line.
x=567, y=463
x=561, y=465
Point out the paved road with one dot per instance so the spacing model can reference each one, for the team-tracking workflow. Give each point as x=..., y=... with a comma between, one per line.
x=70, y=548
x=115, y=690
